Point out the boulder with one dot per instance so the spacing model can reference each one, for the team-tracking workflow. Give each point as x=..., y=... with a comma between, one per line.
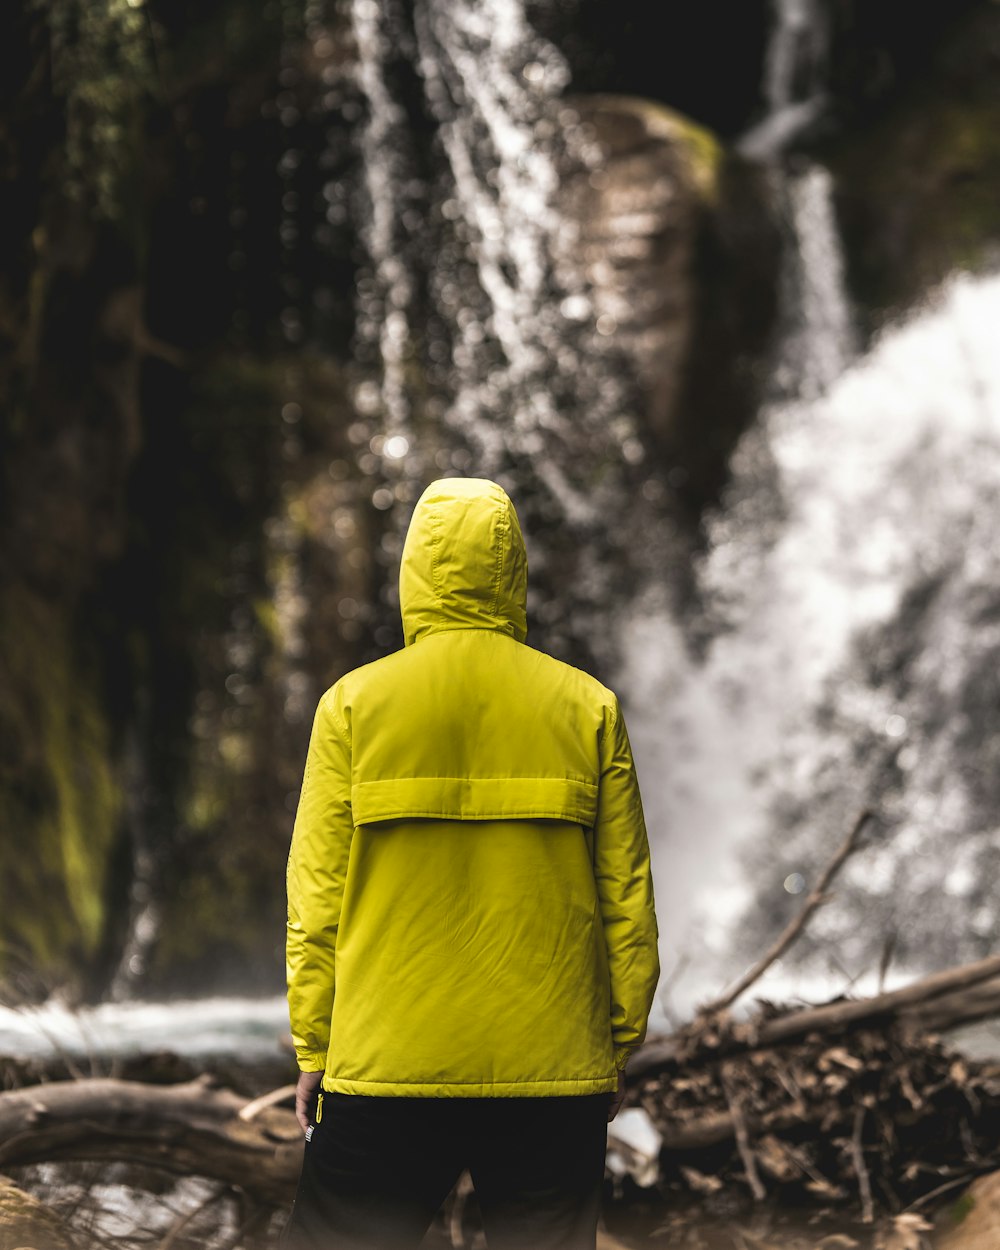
x=972, y=1222
x=27, y=1224
x=679, y=241
x=634, y=218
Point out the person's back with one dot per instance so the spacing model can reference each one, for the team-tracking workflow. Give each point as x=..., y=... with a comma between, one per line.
x=470, y=902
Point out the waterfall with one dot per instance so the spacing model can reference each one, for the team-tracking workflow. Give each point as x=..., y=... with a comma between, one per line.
x=818, y=337
x=849, y=581
x=482, y=346
x=845, y=592
x=795, y=70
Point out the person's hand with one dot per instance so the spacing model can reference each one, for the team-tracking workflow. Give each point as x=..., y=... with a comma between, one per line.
x=305, y=1097
x=617, y=1098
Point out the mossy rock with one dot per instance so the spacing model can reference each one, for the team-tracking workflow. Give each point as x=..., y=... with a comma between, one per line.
x=628, y=122
x=972, y=1222
x=27, y=1224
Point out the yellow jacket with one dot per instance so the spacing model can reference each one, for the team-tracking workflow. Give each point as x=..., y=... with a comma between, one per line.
x=470, y=905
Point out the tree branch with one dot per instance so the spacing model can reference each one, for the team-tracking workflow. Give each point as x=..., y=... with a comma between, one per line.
x=189, y=1129
x=816, y=897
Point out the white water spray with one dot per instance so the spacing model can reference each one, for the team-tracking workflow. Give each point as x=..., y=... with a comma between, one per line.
x=892, y=474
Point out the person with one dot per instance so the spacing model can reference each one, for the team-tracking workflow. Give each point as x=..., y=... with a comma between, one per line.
x=472, y=939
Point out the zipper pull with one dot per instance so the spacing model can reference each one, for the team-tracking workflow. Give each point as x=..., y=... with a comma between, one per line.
x=319, y=1107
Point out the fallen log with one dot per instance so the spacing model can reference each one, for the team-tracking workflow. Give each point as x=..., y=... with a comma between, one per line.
x=866, y=1118
x=193, y=1129
x=938, y=1002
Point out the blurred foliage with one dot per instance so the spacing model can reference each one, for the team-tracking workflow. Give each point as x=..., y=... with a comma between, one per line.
x=916, y=187
x=100, y=63
x=58, y=792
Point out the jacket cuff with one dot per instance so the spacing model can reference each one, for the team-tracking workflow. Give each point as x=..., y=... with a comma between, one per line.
x=314, y=1061
x=622, y=1056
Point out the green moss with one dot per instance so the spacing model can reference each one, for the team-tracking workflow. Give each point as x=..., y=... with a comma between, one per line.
x=702, y=150
x=60, y=801
x=26, y=1221
x=962, y=1208
x=266, y=615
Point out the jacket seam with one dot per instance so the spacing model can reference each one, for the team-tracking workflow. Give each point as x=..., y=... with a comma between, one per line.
x=498, y=571
x=580, y=781
x=531, y=1080
x=519, y=814
x=436, y=584
x=327, y=704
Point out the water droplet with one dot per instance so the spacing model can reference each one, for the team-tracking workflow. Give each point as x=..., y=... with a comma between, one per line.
x=575, y=308
x=633, y=450
x=396, y=447
x=382, y=498
x=366, y=399
x=794, y=883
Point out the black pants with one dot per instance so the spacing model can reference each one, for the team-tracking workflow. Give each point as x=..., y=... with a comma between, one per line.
x=376, y=1171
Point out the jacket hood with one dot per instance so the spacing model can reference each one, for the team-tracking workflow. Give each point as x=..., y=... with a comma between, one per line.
x=464, y=565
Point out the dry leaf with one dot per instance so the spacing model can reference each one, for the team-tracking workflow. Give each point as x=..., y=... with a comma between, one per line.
x=775, y=1158
x=903, y=1233
x=837, y=1054
x=701, y=1183
x=825, y=1189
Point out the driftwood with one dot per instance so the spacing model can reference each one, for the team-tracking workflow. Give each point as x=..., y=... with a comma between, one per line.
x=908, y=1013
x=193, y=1129
x=940, y=1001
x=860, y=1123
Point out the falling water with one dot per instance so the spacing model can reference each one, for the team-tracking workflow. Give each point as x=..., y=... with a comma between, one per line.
x=390, y=187
x=886, y=482
x=795, y=77
x=818, y=339
x=487, y=352
x=852, y=545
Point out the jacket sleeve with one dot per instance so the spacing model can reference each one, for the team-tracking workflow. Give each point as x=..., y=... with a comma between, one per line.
x=625, y=890
x=317, y=870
